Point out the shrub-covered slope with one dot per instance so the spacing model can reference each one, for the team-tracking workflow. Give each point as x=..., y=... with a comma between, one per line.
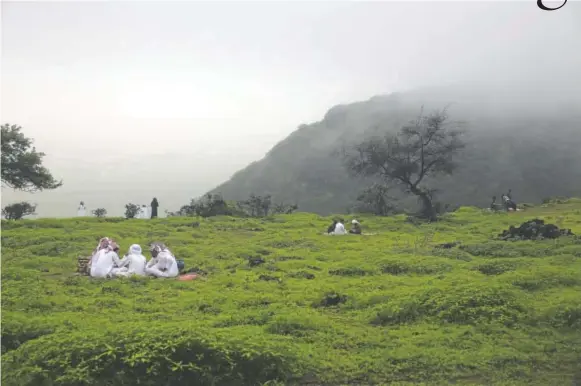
x=280, y=302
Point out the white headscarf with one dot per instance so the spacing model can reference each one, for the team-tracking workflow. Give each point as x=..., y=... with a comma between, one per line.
x=135, y=249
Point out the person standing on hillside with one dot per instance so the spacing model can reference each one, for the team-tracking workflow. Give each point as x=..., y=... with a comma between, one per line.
x=81, y=212
x=154, y=206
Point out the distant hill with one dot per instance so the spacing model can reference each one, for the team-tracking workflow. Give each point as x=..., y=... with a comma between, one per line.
x=518, y=138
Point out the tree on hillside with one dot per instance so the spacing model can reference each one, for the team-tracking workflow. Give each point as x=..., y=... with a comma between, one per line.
x=100, y=212
x=208, y=206
x=18, y=210
x=375, y=199
x=256, y=206
x=426, y=147
x=282, y=208
x=131, y=210
x=21, y=164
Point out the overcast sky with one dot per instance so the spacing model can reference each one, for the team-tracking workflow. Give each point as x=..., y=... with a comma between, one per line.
x=123, y=90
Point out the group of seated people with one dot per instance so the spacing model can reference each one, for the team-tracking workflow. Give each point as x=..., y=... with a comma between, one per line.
x=337, y=228
x=105, y=261
x=507, y=202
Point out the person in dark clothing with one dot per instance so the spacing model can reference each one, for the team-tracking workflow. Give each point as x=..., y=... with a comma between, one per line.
x=355, y=228
x=331, y=228
x=154, y=206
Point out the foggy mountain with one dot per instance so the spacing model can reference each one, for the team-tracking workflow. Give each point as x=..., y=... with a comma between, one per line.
x=135, y=101
x=519, y=138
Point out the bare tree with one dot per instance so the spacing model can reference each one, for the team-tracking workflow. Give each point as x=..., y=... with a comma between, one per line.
x=425, y=147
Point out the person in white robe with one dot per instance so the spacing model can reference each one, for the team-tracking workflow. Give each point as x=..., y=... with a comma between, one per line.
x=148, y=212
x=340, y=228
x=142, y=215
x=132, y=264
x=82, y=211
x=105, y=259
x=163, y=262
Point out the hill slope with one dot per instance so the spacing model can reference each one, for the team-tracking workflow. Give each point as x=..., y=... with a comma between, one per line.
x=519, y=140
x=377, y=309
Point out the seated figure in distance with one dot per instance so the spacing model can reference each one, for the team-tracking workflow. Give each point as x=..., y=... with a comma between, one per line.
x=340, y=228
x=132, y=264
x=355, y=227
x=163, y=262
x=105, y=258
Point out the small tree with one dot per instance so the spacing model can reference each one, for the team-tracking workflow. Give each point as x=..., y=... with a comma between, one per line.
x=21, y=164
x=375, y=199
x=100, y=212
x=208, y=206
x=256, y=206
x=426, y=147
x=18, y=210
x=131, y=210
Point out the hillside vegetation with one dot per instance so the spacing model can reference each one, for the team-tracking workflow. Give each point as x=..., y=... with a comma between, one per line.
x=278, y=302
x=516, y=139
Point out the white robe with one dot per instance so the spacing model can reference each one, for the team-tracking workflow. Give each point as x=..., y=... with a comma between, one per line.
x=340, y=229
x=148, y=212
x=132, y=264
x=103, y=263
x=164, y=265
x=82, y=211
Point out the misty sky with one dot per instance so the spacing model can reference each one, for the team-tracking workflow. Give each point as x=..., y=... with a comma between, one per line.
x=135, y=99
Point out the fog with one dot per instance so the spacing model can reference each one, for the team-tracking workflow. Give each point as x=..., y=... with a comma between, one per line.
x=131, y=100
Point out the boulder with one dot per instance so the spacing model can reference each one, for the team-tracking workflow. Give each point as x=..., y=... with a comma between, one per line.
x=534, y=230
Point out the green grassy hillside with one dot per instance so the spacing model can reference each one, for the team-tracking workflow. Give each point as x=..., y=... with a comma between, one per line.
x=384, y=308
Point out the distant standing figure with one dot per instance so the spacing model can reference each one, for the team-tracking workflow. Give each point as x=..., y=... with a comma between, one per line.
x=81, y=212
x=154, y=206
x=142, y=214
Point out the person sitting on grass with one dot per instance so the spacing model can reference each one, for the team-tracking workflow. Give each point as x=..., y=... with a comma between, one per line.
x=331, y=228
x=340, y=228
x=355, y=228
x=132, y=264
x=163, y=263
x=105, y=259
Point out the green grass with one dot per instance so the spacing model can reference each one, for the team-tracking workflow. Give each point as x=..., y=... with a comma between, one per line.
x=387, y=308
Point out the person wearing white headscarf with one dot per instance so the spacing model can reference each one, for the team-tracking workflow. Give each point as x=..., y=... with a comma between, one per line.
x=105, y=258
x=132, y=264
x=163, y=262
x=355, y=228
x=81, y=212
